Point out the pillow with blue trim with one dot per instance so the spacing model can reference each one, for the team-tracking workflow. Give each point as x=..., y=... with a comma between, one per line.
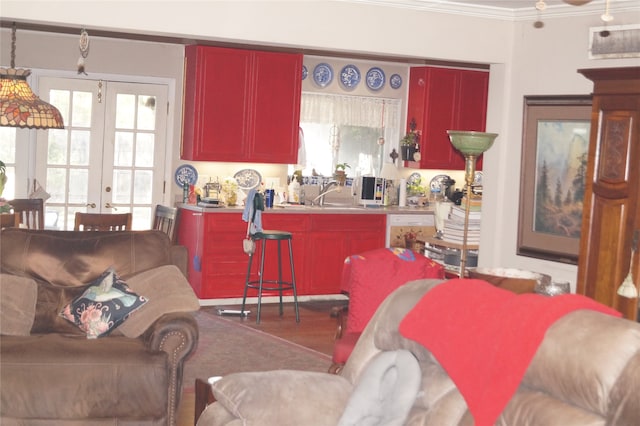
x=104, y=305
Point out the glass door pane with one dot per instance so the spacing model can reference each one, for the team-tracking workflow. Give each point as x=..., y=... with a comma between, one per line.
x=110, y=156
x=135, y=123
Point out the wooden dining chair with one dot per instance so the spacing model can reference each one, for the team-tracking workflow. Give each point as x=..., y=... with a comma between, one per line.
x=102, y=221
x=9, y=220
x=166, y=220
x=30, y=211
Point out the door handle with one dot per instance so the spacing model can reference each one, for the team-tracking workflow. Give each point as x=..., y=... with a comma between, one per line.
x=110, y=206
x=92, y=205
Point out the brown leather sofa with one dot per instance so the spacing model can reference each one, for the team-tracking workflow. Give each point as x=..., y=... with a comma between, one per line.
x=51, y=373
x=585, y=372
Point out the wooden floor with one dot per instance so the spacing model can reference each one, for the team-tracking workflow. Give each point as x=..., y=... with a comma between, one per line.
x=315, y=330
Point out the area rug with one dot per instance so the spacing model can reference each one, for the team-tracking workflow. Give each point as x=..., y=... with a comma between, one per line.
x=229, y=347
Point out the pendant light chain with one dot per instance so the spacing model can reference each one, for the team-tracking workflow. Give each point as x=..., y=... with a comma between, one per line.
x=13, y=45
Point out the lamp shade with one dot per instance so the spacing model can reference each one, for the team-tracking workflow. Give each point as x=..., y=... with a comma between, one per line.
x=20, y=107
x=471, y=143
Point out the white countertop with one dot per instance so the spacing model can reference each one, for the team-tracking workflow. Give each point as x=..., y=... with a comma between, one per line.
x=303, y=209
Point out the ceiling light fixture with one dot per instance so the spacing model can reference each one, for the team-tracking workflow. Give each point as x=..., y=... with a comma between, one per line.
x=606, y=17
x=19, y=106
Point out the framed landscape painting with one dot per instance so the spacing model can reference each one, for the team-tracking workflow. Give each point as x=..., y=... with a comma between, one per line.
x=553, y=170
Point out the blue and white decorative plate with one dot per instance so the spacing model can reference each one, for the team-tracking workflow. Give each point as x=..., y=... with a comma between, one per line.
x=414, y=178
x=305, y=72
x=350, y=76
x=248, y=179
x=186, y=173
x=323, y=74
x=436, y=182
x=395, y=81
x=375, y=78
x=477, y=178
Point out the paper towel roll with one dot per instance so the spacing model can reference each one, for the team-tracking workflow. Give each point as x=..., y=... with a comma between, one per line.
x=402, y=198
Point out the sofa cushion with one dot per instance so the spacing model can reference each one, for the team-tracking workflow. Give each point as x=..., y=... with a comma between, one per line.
x=66, y=259
x=168, y=291
x=105, y=304
x=371, y=276
x=17, y=305
x=70, y=377
x=283, y=397
x=62, y=262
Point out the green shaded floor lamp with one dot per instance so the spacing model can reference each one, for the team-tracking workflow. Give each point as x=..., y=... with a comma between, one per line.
x=471, y=145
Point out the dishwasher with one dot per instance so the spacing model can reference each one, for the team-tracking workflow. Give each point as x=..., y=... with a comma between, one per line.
x=409, y=230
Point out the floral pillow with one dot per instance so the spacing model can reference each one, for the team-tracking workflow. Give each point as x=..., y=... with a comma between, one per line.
x=105, y=305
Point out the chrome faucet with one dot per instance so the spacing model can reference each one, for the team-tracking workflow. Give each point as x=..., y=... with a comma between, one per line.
x=324, y=190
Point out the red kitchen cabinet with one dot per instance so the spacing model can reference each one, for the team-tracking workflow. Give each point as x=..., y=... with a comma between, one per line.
x=217, y=263
x=321, y=242
x=241, y=105
x=297, y=224
x=442, y=99
x=333, y=238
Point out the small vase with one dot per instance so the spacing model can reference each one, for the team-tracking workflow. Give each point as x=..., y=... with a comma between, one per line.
x=340, y=176
x=407, y=152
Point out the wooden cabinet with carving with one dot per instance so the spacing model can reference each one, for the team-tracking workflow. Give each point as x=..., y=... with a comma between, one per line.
x=612, y=195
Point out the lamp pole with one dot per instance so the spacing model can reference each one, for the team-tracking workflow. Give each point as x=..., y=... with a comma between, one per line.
x=471, y=145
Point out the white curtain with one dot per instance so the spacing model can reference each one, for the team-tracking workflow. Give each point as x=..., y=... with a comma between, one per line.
x=352, y=110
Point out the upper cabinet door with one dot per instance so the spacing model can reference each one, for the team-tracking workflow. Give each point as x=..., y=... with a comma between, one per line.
x=215, y=104
x=442, y=99
x=276, y=107
x=241, y=105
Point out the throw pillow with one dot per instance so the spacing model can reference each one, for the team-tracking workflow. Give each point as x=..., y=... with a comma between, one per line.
x=104, y=305
x=18, y=297
x=385, y=391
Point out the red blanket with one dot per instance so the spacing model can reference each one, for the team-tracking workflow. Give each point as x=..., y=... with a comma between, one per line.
x=485, y=337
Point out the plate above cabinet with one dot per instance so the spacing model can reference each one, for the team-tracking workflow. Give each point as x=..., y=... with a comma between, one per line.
x=323, y=74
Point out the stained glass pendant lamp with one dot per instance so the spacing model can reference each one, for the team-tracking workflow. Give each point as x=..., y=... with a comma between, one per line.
x=471, y=145
x=19, y=106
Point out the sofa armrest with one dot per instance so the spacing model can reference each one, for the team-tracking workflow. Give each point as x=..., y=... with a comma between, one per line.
x=180, y=258
x=177, y=335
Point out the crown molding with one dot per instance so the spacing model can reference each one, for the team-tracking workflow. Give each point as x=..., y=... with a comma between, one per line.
x=505, y=13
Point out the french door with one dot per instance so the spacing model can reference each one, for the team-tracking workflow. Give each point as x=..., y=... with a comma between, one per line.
x=110, y=156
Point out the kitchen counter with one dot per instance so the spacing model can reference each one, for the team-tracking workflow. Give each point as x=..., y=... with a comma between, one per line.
x=327, y=209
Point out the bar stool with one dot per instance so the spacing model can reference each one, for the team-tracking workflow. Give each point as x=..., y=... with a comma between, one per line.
x=278, y=284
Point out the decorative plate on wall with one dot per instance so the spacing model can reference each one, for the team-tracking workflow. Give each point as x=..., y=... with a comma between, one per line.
x=248, y=178
x=395, y=81
x=186, y=173
x=323, y=74
x=436, y=182
x=350, y=76
x=477, y=178
x=375, y=78
x=305, y=72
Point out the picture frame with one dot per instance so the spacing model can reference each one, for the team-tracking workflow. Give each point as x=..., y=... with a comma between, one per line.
x=555, y=143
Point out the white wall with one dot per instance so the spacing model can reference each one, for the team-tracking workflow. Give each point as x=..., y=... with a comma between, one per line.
x=524, y=61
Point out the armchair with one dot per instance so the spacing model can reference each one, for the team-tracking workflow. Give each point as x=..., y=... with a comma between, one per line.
x=368, y=278
x=584, y=371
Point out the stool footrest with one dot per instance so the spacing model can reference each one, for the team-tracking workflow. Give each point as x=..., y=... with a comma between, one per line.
x=280, y=285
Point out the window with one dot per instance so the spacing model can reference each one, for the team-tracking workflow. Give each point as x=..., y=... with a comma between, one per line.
x=358, y=130
x=8, y=157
